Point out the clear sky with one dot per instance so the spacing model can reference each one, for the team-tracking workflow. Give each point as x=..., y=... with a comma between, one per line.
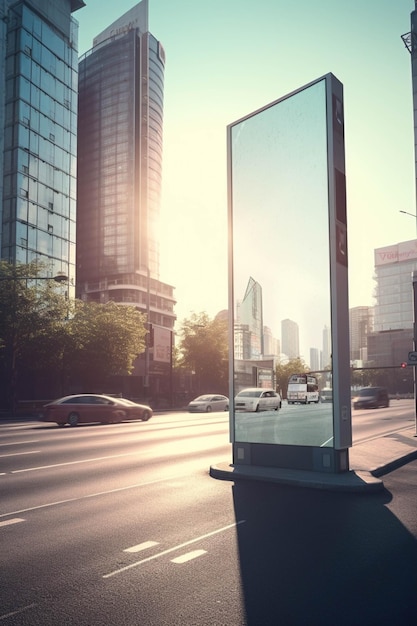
x=226, y=58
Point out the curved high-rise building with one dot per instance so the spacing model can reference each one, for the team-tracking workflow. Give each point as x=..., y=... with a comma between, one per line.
x=121, y=89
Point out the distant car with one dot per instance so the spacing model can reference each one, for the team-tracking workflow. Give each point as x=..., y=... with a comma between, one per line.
x=88, y=408
x=208, y=402
x=371, y=398
x=326, y=395
x=257, y=399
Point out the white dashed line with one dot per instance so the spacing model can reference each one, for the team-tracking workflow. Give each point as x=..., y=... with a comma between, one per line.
x=2, y=456
x=141, y=546
x=14, y=520
x=189, y=556
x=22, y=610
x=182, y=545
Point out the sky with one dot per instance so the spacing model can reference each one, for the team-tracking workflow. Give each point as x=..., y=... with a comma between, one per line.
x=225, y=59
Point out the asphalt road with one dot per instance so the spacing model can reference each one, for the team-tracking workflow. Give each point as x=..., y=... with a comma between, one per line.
x=122, y=524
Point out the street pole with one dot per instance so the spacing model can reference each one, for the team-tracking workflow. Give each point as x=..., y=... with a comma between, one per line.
x=148, y=337
x=415, y=346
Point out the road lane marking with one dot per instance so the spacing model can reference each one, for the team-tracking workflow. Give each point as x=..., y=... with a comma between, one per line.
x=17, y=612
x=189, y=556
x=141, y=546
x=2, y=456
x=19, y=443
x=93, y=495
x=14, y=520
x=99, y=458
x=164, y=552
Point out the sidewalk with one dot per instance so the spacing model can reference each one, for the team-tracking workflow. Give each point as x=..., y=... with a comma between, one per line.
x=368, y=461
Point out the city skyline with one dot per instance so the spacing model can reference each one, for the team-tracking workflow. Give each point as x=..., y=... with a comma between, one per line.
x=207, y=88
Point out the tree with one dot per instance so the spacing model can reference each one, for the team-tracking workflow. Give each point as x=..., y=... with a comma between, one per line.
x=203, y=349
x=43, y=333
x=30, y=312
x=103, y=340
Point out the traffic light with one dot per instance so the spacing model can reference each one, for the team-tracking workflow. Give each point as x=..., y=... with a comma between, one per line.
x=151, y=336
x=403, y=364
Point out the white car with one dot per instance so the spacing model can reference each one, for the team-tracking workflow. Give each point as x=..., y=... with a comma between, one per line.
x=209, y=402
x=257, y=399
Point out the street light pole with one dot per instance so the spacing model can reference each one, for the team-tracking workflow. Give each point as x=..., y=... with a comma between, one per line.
x=414, y=275
x=148, y=335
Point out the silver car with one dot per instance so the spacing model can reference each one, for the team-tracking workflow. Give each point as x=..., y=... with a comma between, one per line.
x=208, y=402
x=257, y=399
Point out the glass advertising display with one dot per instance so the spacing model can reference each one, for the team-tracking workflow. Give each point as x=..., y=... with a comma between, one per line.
x=287, y=215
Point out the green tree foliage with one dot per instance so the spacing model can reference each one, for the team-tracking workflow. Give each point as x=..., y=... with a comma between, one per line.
x=285, y=370
x=103, y=340
x=31, y=313
x=42, y=331
x=203, y=348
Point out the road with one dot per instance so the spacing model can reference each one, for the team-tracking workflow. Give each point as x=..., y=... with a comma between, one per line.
x=122, y=524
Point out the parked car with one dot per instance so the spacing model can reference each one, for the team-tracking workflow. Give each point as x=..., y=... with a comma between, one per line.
x=371, y=398
x=257, y=399
x=209, y=402
x=88, y=408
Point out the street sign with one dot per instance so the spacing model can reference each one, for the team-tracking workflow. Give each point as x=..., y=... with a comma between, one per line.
x=412, y=358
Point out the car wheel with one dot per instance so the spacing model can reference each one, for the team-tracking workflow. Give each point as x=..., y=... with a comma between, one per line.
x=73, y=419
x=208, y=409
x=145, y=416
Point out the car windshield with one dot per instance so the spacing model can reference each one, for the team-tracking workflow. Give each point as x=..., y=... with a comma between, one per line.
x=250, y=394
x=203, y=398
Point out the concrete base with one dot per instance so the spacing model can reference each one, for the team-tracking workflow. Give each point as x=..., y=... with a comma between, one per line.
x=357, y=481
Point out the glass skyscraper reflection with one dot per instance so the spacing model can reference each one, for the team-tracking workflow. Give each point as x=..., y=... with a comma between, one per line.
x=38, y=138
x=121, y=89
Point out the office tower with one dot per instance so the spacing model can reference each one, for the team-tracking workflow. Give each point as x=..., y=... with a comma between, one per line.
x=360, y=326
x=327, y=348
x=121, y=90
x=394, y=266
x=38, y=133
x=271, y=344
x=392, y=338
x=290, y=341
x=250, y=321
x=314, y=359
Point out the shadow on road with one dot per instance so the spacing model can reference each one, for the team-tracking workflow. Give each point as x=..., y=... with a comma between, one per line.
x=311, y=557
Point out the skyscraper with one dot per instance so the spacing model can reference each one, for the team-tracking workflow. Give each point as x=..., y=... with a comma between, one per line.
x=121, y=81
x=327, y=348
x=392, y=338
x=38, y=133
x=360, y=326
x=394, y=266
x=121, y=90
x=250, y=321
x=290, y=338
x=314, y=359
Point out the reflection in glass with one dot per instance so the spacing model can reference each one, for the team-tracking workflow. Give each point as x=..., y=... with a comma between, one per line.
x=279, y=207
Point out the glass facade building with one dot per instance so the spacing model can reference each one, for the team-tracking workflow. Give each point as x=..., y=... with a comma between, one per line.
x=38, y=142
x=290, y=338
x=394, y=266
x=120, y=122
x=249, y=323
